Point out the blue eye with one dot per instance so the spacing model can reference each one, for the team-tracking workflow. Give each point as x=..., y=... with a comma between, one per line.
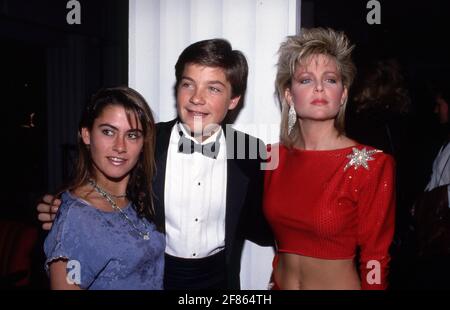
x=332, y=81
x=305, y=81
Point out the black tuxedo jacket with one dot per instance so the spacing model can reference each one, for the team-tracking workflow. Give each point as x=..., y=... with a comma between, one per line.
x=243, y=216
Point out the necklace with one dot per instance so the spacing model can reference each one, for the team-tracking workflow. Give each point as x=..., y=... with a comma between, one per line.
x=145, y=235
x=92, y=182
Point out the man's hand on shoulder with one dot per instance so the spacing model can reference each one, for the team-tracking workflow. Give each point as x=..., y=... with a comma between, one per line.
x=47, y=209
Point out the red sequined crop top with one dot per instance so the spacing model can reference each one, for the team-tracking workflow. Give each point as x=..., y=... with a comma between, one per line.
x=325, y=204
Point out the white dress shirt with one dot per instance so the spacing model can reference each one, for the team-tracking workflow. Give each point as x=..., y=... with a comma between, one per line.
x=441, y=170
x=195, y=199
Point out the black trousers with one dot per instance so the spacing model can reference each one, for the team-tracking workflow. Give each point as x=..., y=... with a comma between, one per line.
x=207, y=273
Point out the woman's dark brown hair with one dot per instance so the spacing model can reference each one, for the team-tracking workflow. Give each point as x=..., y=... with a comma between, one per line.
x=139, y=188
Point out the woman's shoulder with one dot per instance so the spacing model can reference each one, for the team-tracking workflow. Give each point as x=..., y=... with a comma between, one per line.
x=370, y=159
x=70, y=201
x=69, y=220
x=72, y=210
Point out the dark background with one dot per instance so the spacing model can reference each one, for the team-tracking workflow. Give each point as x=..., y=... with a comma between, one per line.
x=49, y=70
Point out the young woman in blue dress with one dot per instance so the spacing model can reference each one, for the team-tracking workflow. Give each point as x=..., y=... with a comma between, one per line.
x=103, y=236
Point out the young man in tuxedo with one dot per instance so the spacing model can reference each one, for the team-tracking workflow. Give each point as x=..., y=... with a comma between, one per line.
x=209, y=182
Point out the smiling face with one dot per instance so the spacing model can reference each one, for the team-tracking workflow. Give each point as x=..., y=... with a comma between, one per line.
x=115, y=143
x=317, y=91
x=204, y=98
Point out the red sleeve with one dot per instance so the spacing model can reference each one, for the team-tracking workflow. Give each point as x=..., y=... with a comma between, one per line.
x=376, y=221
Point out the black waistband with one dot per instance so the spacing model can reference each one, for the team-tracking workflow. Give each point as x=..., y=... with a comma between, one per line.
x=195, y=273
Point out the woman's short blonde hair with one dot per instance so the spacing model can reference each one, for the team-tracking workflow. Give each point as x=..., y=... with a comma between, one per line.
x=297, y=49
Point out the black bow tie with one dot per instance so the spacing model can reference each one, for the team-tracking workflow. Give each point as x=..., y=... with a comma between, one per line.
x=187, y=146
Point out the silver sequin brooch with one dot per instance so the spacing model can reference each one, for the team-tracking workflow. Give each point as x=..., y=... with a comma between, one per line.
x=360, y=158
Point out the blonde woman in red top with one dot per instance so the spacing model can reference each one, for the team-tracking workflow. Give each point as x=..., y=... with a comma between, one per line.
x=330, y=200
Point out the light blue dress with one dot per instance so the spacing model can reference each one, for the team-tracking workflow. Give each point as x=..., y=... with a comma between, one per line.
x=103, y=248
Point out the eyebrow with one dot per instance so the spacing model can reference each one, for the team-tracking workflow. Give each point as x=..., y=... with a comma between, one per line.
x=208, y=82
x=325, y=72
x=331, y=72
x=307, y=73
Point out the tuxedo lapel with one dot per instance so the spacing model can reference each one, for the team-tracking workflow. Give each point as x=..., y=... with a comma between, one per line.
x=163, y=131
x=237, y=183
x=236, y=193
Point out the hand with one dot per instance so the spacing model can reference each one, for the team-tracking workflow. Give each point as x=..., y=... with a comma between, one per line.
x=47, y=211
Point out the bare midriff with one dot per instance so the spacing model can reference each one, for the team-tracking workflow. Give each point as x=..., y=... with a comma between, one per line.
x=298, y=272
